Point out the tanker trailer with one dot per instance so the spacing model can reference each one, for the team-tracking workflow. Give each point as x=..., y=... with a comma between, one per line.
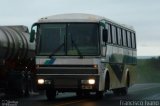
x=16, y=59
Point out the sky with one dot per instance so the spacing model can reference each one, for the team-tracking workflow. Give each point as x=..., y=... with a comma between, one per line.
x=143, y=15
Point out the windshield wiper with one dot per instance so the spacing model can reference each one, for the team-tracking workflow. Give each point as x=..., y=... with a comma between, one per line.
x=56, y=50
x=79, y=52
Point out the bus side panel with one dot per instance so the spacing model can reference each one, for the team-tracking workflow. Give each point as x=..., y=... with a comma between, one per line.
x=120, y=64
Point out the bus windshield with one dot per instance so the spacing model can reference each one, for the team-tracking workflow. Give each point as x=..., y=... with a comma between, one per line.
x=71, y=39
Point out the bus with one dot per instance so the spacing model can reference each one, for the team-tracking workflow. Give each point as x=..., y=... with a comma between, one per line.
x=83, y=53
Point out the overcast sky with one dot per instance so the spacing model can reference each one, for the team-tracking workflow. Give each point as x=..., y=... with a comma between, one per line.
x=143, y=15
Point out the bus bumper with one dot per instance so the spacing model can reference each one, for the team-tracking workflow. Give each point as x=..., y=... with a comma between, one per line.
x=68, y=83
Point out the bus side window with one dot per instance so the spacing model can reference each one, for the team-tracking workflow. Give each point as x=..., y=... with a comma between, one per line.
x=124, y=38
x=128, y=39
x=133, y=40
x=108, y=27
x=117, y=36
x=119, y=33
x=114, y=35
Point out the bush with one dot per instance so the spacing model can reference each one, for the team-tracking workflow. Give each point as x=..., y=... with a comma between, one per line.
x=148, y=70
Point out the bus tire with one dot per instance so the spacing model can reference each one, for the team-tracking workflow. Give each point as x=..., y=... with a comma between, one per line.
x=124, y=91
x=117, y=92
x=99, y=94
x=50, y=94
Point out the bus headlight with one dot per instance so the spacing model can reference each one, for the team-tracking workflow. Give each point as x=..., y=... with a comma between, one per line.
x=40, y=81
x=91, y=81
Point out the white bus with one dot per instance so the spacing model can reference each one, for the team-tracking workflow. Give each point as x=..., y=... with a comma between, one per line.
x=83, y=53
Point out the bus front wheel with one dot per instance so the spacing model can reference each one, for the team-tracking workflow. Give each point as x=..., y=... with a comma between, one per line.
x=121, y=91
x=50, y=94
x=99, y=94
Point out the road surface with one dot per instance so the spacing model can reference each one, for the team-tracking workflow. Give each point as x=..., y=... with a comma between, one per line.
x=138, y=93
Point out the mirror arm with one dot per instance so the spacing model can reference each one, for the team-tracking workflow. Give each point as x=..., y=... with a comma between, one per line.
x=32, y=33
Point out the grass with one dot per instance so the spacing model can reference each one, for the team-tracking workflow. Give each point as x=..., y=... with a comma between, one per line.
x=148, y=71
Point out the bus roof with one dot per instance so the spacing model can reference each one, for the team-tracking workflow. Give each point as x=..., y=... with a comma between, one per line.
x=78, y=17
x=72, y=17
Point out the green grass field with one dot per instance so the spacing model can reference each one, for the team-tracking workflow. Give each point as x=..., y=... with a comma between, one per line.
x=148, y=70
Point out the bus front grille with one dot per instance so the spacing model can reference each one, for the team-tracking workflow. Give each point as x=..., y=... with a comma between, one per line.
x=67, y=70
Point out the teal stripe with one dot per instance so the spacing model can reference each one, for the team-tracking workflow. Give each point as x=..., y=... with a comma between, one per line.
x=50, y=62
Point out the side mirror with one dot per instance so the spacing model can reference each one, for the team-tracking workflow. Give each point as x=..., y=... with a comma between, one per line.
x=105, y=35
x=32, y=35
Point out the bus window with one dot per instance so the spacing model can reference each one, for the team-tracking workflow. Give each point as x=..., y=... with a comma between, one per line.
x=124, y=38
x=133, y=40
x=119, y=33
x=108, y=26
x=114, y=35
x=128, y=39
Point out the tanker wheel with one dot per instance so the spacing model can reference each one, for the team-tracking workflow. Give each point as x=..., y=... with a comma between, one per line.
x=51, y=94
x=23, y=89
x=17, y=85
x=25, y=85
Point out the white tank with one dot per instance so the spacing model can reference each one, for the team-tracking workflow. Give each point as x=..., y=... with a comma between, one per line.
x=14, y=43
